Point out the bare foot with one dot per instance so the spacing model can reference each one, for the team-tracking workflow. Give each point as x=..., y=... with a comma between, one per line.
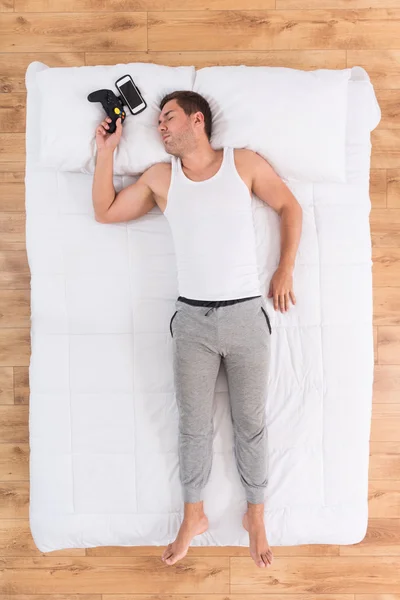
x=259, y=548
x=191, y=526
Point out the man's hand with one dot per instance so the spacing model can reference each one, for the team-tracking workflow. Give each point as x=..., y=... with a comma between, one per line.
x=105, y=140
x=281, y=287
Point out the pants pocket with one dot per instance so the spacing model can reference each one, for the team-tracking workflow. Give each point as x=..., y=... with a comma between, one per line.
x=266, y=316
x=170, y=323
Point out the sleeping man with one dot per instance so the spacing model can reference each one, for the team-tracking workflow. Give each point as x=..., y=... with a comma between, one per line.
x=220, y=313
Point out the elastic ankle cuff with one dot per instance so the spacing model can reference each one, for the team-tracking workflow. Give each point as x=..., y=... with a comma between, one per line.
x=192, y=494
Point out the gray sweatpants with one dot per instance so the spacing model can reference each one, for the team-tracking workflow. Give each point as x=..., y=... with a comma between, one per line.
x=203, y=333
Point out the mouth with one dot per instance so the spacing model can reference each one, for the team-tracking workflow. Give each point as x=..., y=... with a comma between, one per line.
x=165, y=137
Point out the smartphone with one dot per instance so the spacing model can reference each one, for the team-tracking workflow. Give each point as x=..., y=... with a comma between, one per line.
x=130, y=94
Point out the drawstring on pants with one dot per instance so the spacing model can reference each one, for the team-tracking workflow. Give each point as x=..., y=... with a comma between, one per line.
x=217, y=303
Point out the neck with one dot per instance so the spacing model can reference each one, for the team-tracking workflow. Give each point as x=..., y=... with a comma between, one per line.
x=199, y=158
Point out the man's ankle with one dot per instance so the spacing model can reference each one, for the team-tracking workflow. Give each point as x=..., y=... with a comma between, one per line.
x=193, y=509
x=255, y=509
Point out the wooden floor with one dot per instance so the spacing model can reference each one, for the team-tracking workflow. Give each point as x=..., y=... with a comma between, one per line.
x=304, y=34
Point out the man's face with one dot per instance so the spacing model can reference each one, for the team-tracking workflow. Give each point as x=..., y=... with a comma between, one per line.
x=175, y=128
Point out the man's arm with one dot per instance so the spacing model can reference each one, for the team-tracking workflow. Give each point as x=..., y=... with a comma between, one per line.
x=103, y=191
x=270, y=188
x=130, y=203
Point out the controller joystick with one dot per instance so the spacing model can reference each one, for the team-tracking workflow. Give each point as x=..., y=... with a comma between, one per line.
x=112, y=104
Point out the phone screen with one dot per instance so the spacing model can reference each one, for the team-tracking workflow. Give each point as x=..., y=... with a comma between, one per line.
x=130, y=93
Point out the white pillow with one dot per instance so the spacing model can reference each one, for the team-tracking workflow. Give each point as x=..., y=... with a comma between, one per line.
x=69, y=120
x=295, y=119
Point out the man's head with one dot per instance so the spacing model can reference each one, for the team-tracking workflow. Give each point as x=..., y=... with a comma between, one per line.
x=185, y=121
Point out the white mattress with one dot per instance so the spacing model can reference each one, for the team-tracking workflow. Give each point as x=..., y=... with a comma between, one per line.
x=103, y=418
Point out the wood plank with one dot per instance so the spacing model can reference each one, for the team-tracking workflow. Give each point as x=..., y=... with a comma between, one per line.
x=385, y=227
x=386, y=386
x=12, y=195
x=12, y=230
x=224, y=597
x=314, y=4
x=6, y=5
x=393, y=188
x=386, y=301
x=384, y=411
x=15, y=310
x=376, y=597
x=386, y=266
x=12, y=241
x=384, y=499
x=388, y=345
x=21, y=385
x=95, y=575
x=382, y=539
x=295, y=59
x=382, y=66
x=14, y=422
x=13, y=112
x=19, y=280
x=12, y=72
x=384, y=461
x=385, y=429
x=14, y=462
x=12, y=148
x=15, y=534
x=64, y=597
x=15, y=347
x=342, y=574
x=377, y=187
x=389, y=102
x=304, y=550
x=59, y=32
x=385, y=152
x=14, y=270
x=6, y=385
x=14, y=505
x=138, y=5
x=11, y=173
x=278, y=29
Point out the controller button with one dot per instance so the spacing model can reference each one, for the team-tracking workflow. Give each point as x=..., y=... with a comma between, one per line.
x=117, y=111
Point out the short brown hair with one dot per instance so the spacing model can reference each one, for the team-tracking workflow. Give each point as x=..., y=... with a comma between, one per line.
x=191, y=102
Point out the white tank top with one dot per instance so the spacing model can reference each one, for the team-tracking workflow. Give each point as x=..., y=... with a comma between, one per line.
x=213, y=233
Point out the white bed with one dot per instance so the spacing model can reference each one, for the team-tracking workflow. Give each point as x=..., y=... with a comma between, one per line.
x=103, y=418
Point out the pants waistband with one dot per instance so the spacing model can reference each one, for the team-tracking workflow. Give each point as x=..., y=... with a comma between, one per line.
x=214, y=303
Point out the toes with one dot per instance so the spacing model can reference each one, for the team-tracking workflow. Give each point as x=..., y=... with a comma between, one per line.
x=260, y=563
x=265, y=559
x=166, y=553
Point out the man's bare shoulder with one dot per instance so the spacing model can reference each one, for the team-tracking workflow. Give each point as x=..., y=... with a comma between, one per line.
x=246, y=155
x=158, y=178
x=156, y=170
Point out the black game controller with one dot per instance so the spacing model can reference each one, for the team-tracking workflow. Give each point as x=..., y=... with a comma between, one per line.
x=112, y=104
